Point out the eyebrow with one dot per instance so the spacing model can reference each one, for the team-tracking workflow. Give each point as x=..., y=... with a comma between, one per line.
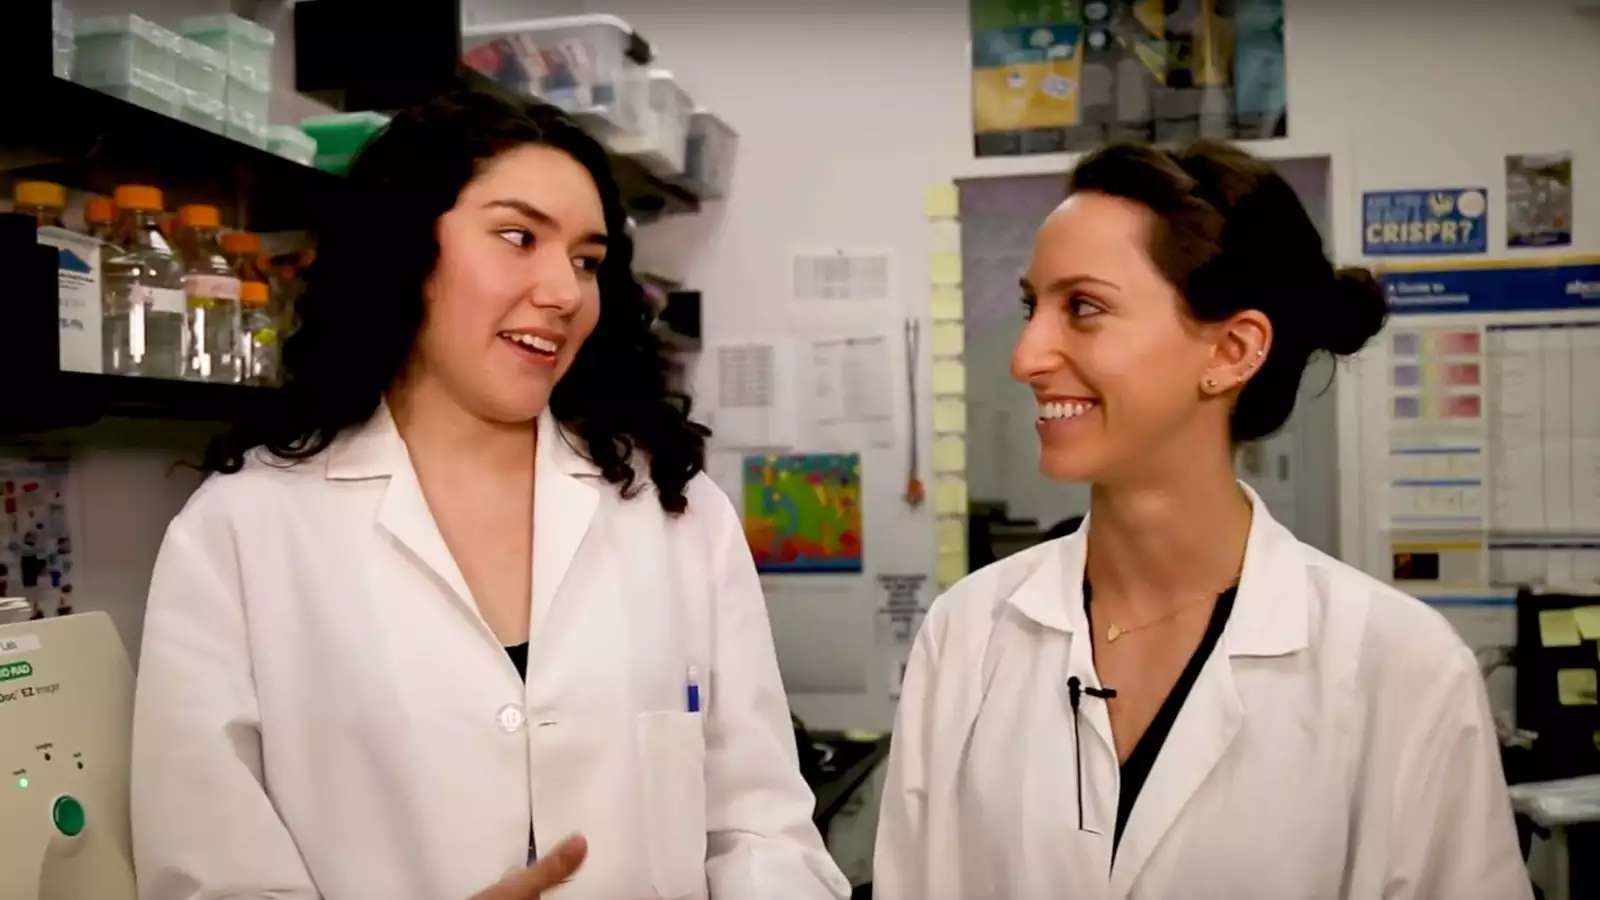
x=540, y=217
x=1062, y=285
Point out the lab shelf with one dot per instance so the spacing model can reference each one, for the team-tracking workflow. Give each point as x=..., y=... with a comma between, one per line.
x=646, y=195
x=56, y=130
x=36, y=396
x=415, y=56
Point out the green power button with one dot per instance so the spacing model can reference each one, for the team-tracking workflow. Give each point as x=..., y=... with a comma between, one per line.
x=68, y=815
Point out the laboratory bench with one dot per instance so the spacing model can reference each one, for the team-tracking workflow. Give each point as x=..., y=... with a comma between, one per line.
x=836, y=765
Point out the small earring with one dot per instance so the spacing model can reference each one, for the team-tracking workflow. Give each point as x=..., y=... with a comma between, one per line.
x=1211, y=383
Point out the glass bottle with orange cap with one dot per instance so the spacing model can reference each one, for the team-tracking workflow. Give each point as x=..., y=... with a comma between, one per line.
x=142, y=330
x=241, y=249
x=260, y=336
x=44, y=200
x=211, y=346
x=99, y=217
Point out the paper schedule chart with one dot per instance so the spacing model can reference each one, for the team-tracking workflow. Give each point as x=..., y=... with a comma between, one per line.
x=1545, y=426
x=1491, y=394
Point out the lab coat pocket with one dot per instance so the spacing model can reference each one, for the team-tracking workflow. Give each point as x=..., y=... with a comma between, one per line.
x=672, y=751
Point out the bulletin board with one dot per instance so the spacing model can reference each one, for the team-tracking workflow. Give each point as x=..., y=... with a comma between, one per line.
x=1481, y=423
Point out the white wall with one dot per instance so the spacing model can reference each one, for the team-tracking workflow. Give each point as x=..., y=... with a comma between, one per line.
x=848, y=110
x=125, y=482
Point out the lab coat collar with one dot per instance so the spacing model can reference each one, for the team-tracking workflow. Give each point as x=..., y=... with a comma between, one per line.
x=375, y=449
x=566, y=495
x=1271, y=611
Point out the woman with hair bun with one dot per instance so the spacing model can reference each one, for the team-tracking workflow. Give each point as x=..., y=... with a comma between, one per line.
x=1181, y=699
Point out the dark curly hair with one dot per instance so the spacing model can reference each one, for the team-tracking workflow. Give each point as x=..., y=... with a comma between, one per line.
x=1232, y=235
x=363, y=303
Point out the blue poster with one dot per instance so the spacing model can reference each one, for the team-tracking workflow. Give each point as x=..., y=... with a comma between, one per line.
x=1563, y=283
x=1424, y=223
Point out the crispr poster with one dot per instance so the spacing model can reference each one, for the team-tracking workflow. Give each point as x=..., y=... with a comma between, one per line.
x=1433, y=222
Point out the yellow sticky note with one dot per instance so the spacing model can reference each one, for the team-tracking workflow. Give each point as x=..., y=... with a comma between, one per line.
x=1559, y=628
x=948, y=338
x=950, y=568
x=947, y=303
x=941, y=201
x=1576, y=687
x=950, y=496
x=952, y=536
x=1588, y=621
x=949, y=377
x=950, y=415
x=944, y=236
x=944, y=268
x=950, y=454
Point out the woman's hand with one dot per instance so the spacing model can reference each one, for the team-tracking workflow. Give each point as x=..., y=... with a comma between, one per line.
x=546, y=872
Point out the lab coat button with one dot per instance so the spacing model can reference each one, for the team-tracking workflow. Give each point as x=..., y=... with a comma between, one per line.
x=511, y=718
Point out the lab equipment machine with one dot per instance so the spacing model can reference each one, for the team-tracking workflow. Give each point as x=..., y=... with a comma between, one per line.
x=66, y=708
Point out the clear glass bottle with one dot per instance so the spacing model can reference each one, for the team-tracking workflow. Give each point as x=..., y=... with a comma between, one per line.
x=143, y=327
x=211, y=342
x=44, y=200
x=99, y=217
x=260, y=336
x=241, y=249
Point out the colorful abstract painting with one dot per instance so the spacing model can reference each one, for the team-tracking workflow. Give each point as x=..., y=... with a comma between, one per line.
x=802, y=514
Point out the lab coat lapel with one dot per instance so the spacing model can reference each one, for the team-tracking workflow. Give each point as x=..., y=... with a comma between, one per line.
x=376, y=450
x=1209, y=721
x=1270, y=618
x=566, y=493
x=1052, y=596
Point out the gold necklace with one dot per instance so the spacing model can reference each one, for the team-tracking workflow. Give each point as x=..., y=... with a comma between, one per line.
x=1114, y=631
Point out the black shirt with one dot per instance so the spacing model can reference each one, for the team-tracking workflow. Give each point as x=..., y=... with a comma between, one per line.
x=519, y=658
x=1143, y=757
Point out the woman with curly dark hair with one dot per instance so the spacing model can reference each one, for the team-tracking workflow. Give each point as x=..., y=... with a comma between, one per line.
x=465, y=583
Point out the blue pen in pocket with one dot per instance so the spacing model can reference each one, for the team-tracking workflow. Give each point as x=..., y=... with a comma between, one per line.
x=691, y=689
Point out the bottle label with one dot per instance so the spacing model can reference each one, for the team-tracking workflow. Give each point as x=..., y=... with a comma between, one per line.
x=161, y=300
x=216, y=287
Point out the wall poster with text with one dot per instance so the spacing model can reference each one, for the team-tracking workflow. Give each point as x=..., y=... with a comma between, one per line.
x=1430, y=222
x=1061, y=75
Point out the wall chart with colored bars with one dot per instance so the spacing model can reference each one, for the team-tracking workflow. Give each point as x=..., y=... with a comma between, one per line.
x=802, y=513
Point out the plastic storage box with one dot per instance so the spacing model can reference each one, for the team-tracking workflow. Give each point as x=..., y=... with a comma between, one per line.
x=149, y=92
x=111, y=48
x=708, y=162
x=245, y=129
x=290, y=142
x=246, y=45
x=591, y=66
x=202, y=69
x=203, y=111
x=663, y=142
x=65, y=38
x=249, y=101
x=341, y=136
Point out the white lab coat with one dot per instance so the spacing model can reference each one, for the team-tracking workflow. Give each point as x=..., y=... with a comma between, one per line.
x=1337, y=744
x=322, y=712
